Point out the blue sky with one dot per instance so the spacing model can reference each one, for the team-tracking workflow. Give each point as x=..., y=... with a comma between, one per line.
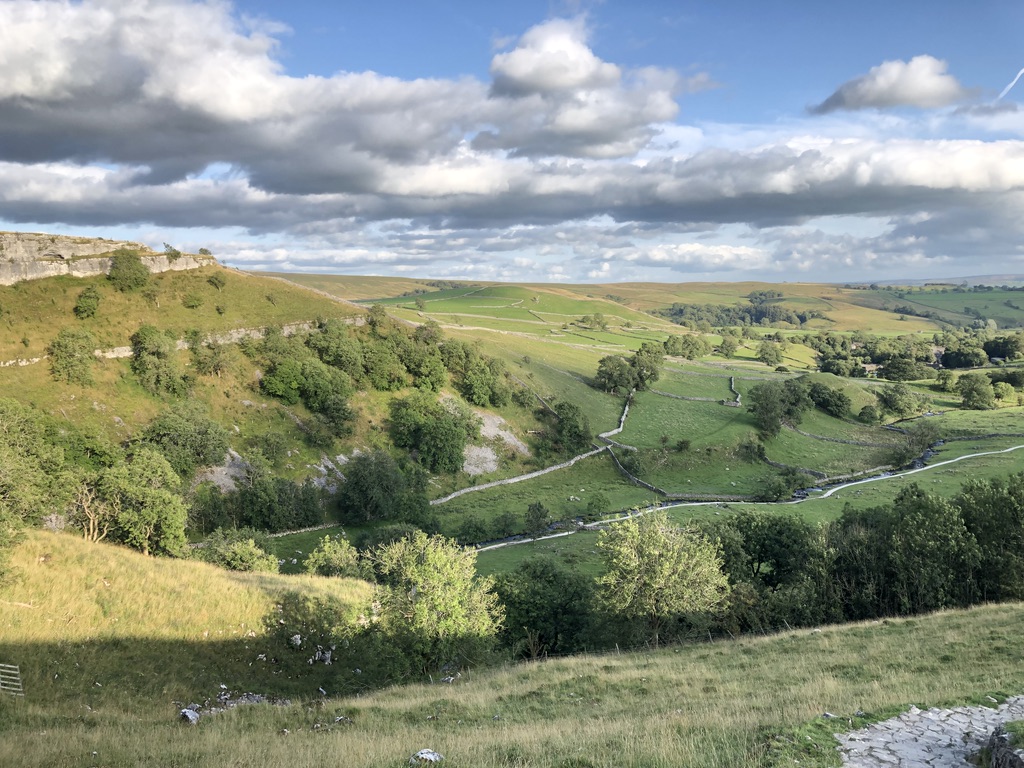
x=534, y=141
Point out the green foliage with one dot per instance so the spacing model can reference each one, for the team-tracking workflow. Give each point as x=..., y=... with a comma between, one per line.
x=192, y=300
x=127, y=272
x=436, y=431
x=572, y=430
x=153, y=362
x=776, y=547
x=172, y=253
x=187, y=438
x=993, y=512
x=548, y=608
x=832, y=400
x=728, y=346
x=690, y=346
x=71, y=356
x=898, y=399
x=240, y=549
x=768, y=353
x=615, y=374
x=656, y=572
x=933, y=553
x=538, y=517
x=976, y=391
x=375, y=488
x=88, y=303
x=149, y=515
x=774, y=402
x=333, y=556
x=217, y=280
x=434, y=611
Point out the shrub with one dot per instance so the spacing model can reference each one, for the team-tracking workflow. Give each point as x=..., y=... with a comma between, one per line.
x=87, y=304
x=127, y=272
x=241, y=549
x=333, y=556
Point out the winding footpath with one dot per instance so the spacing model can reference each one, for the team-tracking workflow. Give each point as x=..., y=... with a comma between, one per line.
x=937, y=738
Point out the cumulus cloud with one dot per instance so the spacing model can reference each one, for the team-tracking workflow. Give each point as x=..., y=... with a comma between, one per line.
x=176, y=113
x=921, y=82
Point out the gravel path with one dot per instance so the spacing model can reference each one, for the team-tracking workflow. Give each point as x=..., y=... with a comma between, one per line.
x=939, y=738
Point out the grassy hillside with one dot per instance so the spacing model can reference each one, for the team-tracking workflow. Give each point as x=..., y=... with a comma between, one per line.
x=111, y=644
x=34, y=311
x=103, y=625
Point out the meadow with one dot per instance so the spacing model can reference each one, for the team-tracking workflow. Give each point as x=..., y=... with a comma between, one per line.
x=102, y=696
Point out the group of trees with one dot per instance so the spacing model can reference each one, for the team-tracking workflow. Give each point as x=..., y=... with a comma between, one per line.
x=643, y=368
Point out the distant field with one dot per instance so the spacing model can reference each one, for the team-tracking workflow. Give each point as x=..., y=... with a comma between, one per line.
x=952, y=306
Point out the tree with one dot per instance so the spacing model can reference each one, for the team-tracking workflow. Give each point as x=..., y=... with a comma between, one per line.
x=91, y=513
x=976, y=391
x=572, y=430
x=769, y=354
x=646, y=364
x=728, y=346
x=434, y=610
x=832, y=400
x=898, y=400
x=615, y=374
x=774, y=402
x=934, y=555
x=993, y=512
x=537, y=517
x=153, y=362
x=778, y=546
x=333, y=556
x=218, y=281
x=548, y=607
x=374, y=489
x=72, y=356
x=187, y=438
x=172, y=253
x=656, y=572
x=1003, y=390
x=127, y=272
x=149, y=514
x=88, y=303
x=437, y=433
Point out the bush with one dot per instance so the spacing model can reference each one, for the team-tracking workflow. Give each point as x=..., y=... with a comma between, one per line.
x=88, y=303
x=238, y=549
x=333, y=556
x=127, y=272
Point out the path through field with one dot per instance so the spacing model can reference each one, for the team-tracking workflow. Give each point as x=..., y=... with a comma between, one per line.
x=939, y=738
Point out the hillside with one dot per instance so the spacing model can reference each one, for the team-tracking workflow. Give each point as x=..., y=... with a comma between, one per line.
x=109, y=641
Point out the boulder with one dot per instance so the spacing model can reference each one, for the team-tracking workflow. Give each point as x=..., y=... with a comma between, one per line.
x=426, y=757
x=189, y=716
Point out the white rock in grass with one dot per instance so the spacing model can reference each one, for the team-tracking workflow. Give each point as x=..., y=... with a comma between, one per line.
x=425, y=757
x=189, y=716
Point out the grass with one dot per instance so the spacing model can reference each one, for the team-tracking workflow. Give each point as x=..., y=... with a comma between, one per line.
x=751, y=701
x=37, y=309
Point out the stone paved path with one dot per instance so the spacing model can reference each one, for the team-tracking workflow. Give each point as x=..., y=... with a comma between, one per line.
x=939, y=738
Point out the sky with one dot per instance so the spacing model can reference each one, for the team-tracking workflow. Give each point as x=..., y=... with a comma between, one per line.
x=557, y=141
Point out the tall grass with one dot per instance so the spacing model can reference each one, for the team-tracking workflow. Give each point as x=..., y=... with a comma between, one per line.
x=723, y=704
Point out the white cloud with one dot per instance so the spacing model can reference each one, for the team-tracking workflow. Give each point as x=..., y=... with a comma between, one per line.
x=171, y=113
x=921, y=82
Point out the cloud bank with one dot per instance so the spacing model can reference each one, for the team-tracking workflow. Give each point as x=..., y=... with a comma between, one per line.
x=175, y=114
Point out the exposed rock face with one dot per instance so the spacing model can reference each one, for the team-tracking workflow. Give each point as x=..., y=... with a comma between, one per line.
x=32, y=256
x=1002, y=751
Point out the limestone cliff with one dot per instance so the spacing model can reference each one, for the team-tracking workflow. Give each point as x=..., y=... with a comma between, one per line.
x=32, y=255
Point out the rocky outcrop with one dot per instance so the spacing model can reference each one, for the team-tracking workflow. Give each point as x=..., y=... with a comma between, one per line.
x=33, y=256
x=1002, y=752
